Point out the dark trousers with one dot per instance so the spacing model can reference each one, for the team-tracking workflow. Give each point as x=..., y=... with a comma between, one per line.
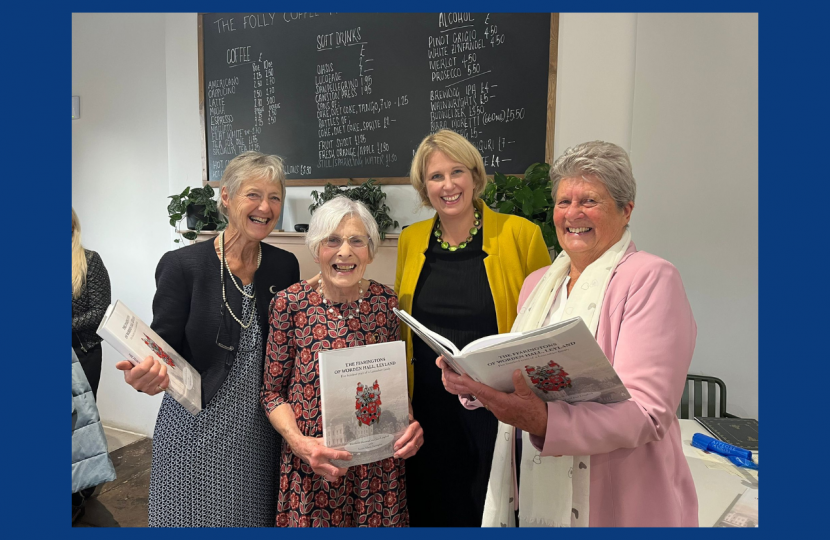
x=91, y=363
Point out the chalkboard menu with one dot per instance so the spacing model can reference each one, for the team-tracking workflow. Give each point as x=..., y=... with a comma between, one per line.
x=351, y=95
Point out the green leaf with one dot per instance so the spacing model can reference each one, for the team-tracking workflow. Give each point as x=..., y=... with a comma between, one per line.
x=529, y=170
x=506, y=207
x=527, y=207
x=189, y=235
x=540, y=201
x=523, y=195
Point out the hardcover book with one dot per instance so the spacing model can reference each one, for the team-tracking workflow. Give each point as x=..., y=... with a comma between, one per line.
x=364, y=400
x=133, y=339
x=740, y=432
x=561, y=361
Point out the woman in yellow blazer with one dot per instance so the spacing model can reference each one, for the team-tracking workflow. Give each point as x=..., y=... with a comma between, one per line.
x=460, y=274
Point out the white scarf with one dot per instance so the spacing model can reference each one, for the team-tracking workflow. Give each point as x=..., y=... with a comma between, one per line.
x=554, y=491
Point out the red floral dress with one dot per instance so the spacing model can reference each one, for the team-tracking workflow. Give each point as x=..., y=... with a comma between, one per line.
x=371, y=495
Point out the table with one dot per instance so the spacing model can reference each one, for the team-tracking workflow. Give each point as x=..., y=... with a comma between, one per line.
x=716, y=488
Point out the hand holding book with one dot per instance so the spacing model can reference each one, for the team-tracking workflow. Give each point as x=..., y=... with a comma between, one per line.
x=150, y=376
x=319, y=456
x=521, y=408
x=412, y=439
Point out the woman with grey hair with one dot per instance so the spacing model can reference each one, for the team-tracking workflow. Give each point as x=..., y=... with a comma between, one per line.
x=337, y=309
x=218, y=468
x=592, y=464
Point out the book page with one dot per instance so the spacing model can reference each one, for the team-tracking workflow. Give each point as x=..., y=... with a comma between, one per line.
x=560, y=362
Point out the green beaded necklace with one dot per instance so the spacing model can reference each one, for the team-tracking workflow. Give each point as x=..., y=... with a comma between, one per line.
x=446, y=245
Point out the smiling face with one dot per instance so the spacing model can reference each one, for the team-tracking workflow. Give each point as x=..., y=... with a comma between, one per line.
x=587, y=219
x=254, y=211
x=450, y=187
x=342, y=267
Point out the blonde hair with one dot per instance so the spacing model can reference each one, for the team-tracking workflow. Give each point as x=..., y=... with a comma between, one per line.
x=455, y=147
x=78, y=257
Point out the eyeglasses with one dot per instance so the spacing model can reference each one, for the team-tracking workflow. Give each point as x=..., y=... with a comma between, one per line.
x=357, y=241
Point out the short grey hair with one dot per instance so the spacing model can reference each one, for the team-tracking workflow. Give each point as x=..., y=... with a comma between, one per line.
x=607, y=161
x=327, y=218
x=251, y=166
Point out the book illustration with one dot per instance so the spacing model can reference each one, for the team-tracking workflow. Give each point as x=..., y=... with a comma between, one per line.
x=549, y=378
x=158, y=350
x=367, y=404
x=364, y=400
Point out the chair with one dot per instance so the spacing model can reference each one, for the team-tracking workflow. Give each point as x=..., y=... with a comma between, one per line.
x=714, y=386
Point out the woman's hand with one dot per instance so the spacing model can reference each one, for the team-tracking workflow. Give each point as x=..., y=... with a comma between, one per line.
x=318, y=456
x=520, y=408
x=150, y=376
x=453, y=382
x=412, y=439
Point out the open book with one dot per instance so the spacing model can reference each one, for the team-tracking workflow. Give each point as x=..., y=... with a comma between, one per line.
x=561, y=361
x=134, y=340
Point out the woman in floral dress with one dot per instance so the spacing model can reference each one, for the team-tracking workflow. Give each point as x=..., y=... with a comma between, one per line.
x=338, y=309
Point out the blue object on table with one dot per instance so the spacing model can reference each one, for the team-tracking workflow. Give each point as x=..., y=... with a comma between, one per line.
x=704, y=442
x=741, y=462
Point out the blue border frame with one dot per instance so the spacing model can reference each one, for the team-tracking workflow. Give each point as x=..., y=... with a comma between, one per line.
x=793, y=110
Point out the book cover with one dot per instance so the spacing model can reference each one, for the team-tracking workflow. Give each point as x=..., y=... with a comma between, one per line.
x=743, y=512
x=561, y=361
x=740, y=432
x=364, y=400
x=135, y=340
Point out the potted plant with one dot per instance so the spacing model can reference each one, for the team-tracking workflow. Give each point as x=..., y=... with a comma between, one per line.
x=198, y=205
x=529, y=198
x=369, y=193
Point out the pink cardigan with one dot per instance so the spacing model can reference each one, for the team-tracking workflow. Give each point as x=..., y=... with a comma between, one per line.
x=639, y=475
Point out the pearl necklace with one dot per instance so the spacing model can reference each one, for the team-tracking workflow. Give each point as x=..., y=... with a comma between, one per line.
x=328, y=303
x=225, y=262
x=222, y=263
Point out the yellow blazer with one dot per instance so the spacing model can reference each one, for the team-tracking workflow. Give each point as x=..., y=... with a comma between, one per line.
x=515, y=248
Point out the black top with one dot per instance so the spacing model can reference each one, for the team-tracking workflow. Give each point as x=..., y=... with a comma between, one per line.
x=89, y=308
x=452, y=298
x=189, y=314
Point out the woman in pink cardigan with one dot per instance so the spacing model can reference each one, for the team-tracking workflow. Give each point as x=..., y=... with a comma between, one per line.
x=591, y=464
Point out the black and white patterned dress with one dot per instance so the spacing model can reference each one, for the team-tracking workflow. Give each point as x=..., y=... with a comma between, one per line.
x=217, y=469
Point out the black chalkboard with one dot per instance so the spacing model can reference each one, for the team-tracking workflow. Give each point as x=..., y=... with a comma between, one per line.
x=350, y=95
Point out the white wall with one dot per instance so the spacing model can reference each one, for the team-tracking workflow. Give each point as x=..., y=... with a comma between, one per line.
x=119, y=174
x=695, y=155
x=679, y=91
